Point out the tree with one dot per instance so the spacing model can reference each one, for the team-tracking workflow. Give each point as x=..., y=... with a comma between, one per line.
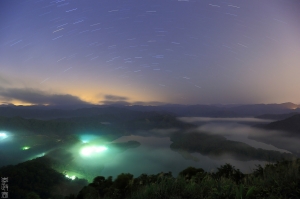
x=88, y=192
x=32, y=195
x=101, y=184
x=229, y=171
x=189, y=172
x=123, y=184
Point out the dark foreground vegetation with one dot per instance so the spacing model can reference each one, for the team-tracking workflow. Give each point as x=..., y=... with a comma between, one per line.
x=35, y=179
x=280, y=180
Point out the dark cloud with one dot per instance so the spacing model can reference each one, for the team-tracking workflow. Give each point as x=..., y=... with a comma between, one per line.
x=115, y=98
x=124, y=101
x=38, y=97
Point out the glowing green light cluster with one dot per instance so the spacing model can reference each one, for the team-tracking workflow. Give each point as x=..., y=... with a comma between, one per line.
x=25, y=148
x=3, y=136
x=41, y=155
x=89, y=150
x=71, y=177
x=87, y=138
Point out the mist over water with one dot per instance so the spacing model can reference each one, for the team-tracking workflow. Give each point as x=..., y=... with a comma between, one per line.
x=235, y=129
x=154, y=154
x=210, y=119
x=240, y=133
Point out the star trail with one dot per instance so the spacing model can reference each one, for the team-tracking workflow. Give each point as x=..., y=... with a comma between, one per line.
x=149, y=52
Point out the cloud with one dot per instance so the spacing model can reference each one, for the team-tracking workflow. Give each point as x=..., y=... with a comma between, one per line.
x=115, y=100
x=124, y=101
x=38, y=97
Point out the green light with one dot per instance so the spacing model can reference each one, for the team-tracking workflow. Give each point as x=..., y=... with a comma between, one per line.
x=89, y=150
x=25, y=148
x=71, y=177
x=41, y=155
x=100, y=149
x=3, y=135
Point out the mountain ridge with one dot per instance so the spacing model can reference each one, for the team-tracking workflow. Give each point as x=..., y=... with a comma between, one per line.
x=290, y=125
x=51, y=112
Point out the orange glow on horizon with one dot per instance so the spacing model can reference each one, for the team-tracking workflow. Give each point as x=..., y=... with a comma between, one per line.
x=17, y=103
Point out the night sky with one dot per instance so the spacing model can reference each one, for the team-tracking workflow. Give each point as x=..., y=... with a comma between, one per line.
x=149, y=51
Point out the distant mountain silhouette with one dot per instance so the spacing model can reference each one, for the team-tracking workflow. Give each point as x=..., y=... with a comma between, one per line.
x=291, y=125
x=217, y=145
x=259, y=109
x=51, y=112
x=290, y=138
x=277, y=116
x=36, y=112
x=111, y=121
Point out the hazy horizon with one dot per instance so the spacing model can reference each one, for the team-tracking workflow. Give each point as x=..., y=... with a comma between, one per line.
x=123, y=103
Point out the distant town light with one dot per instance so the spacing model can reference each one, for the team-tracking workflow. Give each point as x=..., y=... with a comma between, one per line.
x=3, y=136
x=89, y=150
x=25, y=148
x=71, y=177
x=100, y=149
x=86, y=138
